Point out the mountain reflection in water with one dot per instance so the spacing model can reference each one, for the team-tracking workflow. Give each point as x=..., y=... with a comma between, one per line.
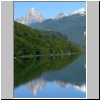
x=37, y=73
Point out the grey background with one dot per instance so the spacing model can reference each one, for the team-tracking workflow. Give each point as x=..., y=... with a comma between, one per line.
x=93, y=50
x=7, y=50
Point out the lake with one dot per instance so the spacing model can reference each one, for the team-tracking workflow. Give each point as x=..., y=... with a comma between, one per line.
x=50, y=77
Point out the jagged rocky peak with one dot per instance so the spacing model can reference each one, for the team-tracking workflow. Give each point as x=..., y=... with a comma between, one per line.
x=33, y=11
x=32, y=16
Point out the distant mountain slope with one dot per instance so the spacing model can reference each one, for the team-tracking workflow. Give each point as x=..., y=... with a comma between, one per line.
x=72, y=26
x=28, y=41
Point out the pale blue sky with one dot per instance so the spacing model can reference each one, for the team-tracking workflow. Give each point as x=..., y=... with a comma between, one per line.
x=47, y=9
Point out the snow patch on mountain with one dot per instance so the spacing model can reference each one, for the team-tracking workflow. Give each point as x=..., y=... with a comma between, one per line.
x=60, y=15
x=32, y=16
x=81, y=11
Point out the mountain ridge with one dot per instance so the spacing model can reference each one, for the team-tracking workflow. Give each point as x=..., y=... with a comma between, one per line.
x=34, y=16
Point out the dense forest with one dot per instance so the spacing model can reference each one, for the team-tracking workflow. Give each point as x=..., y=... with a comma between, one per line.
x=28, y=41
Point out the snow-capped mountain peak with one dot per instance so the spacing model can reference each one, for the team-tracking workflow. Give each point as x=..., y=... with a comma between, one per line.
x=32, y=10
x=32, y=16
x=81, y=11
x=60, y=15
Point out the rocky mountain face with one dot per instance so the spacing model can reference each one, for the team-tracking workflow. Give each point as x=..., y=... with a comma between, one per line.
x=32, y=16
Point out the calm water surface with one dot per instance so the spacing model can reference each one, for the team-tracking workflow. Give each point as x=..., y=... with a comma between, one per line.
x=50, y=78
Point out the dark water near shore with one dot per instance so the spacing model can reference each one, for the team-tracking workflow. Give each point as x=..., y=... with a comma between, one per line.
x=53, y=77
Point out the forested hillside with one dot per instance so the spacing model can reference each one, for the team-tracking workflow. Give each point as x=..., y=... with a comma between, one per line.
x=28, y=41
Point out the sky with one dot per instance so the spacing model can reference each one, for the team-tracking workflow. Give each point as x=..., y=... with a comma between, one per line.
x=47, y=9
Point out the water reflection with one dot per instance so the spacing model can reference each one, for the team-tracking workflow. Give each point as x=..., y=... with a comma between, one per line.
x=38, y=73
